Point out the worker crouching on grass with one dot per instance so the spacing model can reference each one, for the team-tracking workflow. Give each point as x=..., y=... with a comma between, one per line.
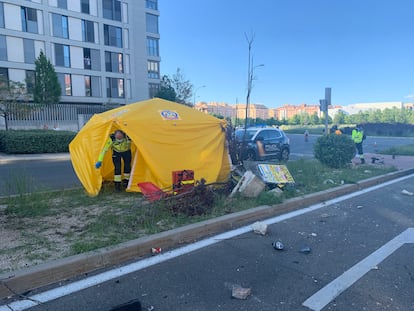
x=121, y=150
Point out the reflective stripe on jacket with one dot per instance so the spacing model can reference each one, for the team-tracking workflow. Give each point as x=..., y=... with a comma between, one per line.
x=118, y=146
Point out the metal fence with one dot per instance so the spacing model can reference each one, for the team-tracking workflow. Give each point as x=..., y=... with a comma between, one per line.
x=60, y=116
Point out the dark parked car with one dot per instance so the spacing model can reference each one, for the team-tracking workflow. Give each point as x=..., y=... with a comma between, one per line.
x=263, y=143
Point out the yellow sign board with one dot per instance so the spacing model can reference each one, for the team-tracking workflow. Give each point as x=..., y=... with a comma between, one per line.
x=275, y=174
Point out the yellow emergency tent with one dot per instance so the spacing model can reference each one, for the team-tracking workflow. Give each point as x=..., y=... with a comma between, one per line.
x=165, y=136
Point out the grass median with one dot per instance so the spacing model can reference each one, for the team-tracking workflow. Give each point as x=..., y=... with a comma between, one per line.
x=48, y=225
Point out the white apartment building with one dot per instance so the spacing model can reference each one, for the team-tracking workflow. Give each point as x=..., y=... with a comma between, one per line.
x=104, y=51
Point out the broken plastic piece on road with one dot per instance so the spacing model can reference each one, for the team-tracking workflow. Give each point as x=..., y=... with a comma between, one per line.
x=259, y=228
x=305, y=249
x=406, y=192
x=241, y=292
x=156, y=250
x=278, y=245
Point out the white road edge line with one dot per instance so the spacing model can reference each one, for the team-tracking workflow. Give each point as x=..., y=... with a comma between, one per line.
x=328, y=293
x=148, y=262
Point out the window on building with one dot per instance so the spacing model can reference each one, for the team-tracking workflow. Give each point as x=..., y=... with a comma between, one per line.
x=29, y=51
x=85, y=8
x=88, y=31
x=65, y=80
x=92, y=86
x=30, y=81
x=3, y=48
x=1, y=15
x=4, y=76
x=153, y=89
x=112, y=9
x=60, y=26
x=113, y=36
x=63, y=4
x=151, y=23
x=153, y=70
x=152, y=4
x=114, y=62
x=88, y=89
x=29, y=19
x=91, y=59
x=114, y=88
x=152, y=47
x=62, y=55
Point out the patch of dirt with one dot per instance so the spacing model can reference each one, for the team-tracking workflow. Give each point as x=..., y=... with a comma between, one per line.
x=30, y=241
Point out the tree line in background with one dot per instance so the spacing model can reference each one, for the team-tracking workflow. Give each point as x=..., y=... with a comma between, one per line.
x=388, y=115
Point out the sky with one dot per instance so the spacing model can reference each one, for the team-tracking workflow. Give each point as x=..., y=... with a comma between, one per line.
x=362, y=49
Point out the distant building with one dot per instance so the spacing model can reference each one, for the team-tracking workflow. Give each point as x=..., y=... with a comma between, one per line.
x=103, y=50
x=255, y=111
x=288, y=111
x=216, y=108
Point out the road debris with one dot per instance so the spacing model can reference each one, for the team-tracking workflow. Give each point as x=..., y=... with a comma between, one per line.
x=406, y=192
x=278, y=245
x=259, y=228
x=305, y=249
x=328, y=181
x=240, y=292
x=156, y=250
x=277, y=192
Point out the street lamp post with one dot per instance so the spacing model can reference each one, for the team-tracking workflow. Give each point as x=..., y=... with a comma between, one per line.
x=195, y=92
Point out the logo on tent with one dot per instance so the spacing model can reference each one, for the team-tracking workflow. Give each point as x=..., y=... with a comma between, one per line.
x=170, y=115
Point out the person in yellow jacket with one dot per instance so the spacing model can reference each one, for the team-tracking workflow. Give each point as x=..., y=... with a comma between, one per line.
x=121, y=150
x=358, y=137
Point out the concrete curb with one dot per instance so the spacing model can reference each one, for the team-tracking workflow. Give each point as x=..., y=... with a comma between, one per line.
x=18, y=282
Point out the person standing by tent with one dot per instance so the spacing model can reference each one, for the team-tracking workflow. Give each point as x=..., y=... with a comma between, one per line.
x=358, y=137
x=121, y=150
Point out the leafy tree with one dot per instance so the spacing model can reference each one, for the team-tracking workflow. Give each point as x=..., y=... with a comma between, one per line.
x=47, y=89
x=176, y=88
x=374, y=116
x=304, y=118
x=339, y=117
x=272, y=121
x=166, y=90
x=314, y=119
x=294, y=120
x=183, y=88
x=13, y=99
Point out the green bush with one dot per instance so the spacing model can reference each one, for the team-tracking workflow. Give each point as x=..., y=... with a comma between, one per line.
x=35, y=141
x=334, y=150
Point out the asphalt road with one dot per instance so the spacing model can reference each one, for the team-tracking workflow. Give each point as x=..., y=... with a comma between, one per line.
x=341, y=236
x=25, y=176
x=17, y=177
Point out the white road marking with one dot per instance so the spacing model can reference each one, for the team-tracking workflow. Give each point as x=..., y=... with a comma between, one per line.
x=148, y=262
x=324, y=296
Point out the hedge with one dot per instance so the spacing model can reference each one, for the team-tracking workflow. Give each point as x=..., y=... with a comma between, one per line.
x=35, y=141
x=335, y=151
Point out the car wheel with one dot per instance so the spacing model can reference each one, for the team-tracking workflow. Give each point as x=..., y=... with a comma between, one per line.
x=284, y=155
x=251, y=155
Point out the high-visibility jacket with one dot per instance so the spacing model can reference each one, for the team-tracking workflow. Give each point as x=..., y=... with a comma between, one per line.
x=357, y=136
x=116, y=145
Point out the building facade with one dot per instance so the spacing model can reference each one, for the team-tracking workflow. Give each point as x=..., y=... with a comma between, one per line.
x=104, y=51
